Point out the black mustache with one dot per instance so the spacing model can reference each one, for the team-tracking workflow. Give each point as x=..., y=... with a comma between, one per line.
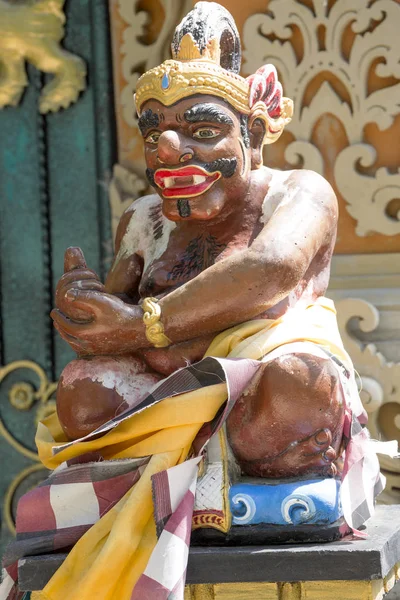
x=226, y=166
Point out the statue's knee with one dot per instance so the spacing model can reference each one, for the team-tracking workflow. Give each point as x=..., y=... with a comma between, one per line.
x=303, y=388
x=294, y=397
x=93, y=390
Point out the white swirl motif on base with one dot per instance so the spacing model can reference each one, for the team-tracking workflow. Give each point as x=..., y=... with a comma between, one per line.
x=240, y=500
x=303, y=505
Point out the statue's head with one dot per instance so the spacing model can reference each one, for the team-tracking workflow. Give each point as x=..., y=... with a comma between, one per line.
x=204, y=125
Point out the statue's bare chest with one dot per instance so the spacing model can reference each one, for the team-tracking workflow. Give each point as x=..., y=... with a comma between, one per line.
x=185, y=258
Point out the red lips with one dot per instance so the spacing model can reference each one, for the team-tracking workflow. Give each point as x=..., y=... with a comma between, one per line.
x=185, y=182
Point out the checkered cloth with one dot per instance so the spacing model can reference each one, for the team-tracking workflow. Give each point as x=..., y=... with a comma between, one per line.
x=56, y=514
x=362, y=481
x=79, y=492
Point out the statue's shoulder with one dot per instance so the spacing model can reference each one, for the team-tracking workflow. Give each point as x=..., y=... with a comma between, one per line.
x=283, y=185
x=137, y=216
x=302, y=178
x=141, y=210
x=299, y=185
x=310, y=180
x=142, y=205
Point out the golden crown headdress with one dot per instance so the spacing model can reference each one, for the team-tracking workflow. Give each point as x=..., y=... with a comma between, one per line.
x=206, y=60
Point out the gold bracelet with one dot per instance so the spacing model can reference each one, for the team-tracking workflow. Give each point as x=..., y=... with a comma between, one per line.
x=154, y=328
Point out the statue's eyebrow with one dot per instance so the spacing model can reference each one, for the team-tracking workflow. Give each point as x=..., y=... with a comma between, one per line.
x=147, y=120
x=211, y=113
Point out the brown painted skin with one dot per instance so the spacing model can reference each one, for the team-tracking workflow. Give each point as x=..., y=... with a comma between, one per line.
x=290, y=422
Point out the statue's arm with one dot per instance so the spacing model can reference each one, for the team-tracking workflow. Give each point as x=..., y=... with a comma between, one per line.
x=247, y=283
x=235, y=289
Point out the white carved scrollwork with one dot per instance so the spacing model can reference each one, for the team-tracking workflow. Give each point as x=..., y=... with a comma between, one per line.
x=372, y=200
x=380, y=379
x=378, y=191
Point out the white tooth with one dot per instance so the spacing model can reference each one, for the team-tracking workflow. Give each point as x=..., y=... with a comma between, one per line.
x=198, y=179
x=168, y=182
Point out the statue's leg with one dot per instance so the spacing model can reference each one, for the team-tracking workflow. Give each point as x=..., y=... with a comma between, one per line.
x=93, y=390
x=290, y=420
x=69, y=74
x=13, y=78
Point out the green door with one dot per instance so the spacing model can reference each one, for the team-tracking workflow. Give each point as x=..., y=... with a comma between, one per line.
x=54, y=173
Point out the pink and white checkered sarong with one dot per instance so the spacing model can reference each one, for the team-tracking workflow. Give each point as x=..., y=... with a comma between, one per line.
x=58, y=512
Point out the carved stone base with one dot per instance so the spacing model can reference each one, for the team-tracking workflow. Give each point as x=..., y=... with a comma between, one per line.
x=255, y=535
x=351, y=569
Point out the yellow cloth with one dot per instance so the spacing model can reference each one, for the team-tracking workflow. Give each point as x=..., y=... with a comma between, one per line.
x=107, y=561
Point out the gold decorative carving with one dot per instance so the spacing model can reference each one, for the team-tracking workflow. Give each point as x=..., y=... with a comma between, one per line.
x=152, y=321
x=244, y=591
x=192, y=78
x=22, y=397
x=342, y=43
x=310, y=590
x=8, y=498
x=31, y=31
x=199, y=592
x=290, y=591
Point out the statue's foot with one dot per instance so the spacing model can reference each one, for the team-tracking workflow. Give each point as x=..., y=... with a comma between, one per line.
x=312, y=454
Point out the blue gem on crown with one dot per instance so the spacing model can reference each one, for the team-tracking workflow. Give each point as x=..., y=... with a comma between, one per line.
x=165, y=81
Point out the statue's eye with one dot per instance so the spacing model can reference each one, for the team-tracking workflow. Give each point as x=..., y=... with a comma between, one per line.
x=153, y=137
x=206, y=133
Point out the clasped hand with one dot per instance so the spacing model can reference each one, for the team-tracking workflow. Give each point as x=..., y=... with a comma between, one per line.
x=89, y=319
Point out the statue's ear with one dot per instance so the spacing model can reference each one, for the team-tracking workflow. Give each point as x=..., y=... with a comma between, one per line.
x=257, y=136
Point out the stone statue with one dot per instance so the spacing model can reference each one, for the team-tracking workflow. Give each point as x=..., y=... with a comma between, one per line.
x=223, y=240
x=211, y=328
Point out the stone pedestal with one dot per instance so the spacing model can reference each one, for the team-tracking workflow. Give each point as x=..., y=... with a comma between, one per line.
x=349, y=569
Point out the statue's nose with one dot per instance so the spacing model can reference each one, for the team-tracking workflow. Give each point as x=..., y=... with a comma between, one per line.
x=173, y=149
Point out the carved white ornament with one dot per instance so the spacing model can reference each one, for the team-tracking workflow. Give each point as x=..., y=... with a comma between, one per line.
x=380, y=379
x=367, y=196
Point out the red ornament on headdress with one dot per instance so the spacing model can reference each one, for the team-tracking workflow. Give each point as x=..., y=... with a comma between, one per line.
x=265, y=87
